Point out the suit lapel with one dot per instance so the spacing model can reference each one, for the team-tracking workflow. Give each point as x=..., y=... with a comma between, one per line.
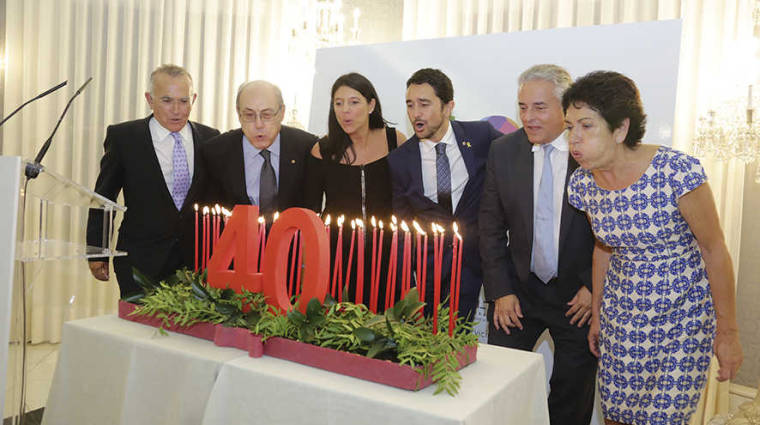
x=235, y=158
x=153, y=165
x=567, y=210
x=288, y=160
x=415, y=167
x=196, y=160
x=523, y=182
x=465, y=149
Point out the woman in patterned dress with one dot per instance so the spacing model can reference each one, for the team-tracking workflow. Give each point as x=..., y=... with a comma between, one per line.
x=663, y=290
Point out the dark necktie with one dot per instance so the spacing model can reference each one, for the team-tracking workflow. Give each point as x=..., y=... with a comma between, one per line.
x=443, y=176
x=267, y=185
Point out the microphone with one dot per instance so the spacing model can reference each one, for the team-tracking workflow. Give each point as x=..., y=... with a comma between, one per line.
x=39, y=96
x=34, y=169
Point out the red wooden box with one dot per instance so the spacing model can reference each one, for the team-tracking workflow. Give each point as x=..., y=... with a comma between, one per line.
x=350, y=364
x=222, y=336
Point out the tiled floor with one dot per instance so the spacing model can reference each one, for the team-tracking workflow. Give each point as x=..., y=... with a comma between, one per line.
x=41, y=362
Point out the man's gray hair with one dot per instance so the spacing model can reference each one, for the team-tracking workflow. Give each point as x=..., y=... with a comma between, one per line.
x=172, y=71
x=259, y=83
x=551, y=73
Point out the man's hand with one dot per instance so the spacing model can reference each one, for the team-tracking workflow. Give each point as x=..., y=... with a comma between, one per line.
x=507, y=313
x=99, y=269
x=580, y=307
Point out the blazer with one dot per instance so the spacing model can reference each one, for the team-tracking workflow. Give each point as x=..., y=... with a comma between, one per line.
x=152, y=225
x=507, y=206
x=473, y=139
x=224, y=168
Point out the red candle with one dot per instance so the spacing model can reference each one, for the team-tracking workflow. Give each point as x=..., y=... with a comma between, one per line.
x=376, y=276
x=350, y=258
x=452, y=283
x=262, y=241
x=459, y=273
x=390, y=289
x=438, y=237
x=214, y=223
x=338, y=262
x=293, y=248
x=373, y=261
x=218, y=224
x=195, y=255
x=360, y=263
x=299, y=262
x=204, y=244
x=424, y=265
x=406, y=269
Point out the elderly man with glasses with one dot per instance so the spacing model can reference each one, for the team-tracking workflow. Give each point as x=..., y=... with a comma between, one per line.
x=263, y=162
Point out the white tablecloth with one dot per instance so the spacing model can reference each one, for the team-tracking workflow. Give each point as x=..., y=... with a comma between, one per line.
x=111, y=371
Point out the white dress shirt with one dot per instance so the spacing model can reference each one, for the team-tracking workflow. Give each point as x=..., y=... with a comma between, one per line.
x=459, y=175
x=559, y=172
x=163, y=143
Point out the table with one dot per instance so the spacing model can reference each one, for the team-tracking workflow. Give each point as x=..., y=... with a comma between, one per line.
x=112, y=371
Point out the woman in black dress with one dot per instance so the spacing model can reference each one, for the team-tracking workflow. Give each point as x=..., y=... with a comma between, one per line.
x=349, y=167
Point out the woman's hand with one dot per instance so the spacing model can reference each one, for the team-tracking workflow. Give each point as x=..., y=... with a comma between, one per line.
x=593, y=336
x=728, y=350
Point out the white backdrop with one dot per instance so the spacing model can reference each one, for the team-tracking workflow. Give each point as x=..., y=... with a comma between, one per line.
x=484, y=69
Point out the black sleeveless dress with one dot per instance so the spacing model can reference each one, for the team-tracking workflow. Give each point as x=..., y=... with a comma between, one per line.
x=356, y=191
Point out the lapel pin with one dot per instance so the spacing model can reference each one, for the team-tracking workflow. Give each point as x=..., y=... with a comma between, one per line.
x=292, y=161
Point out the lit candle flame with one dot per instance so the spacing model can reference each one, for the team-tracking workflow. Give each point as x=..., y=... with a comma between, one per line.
x=373, y=221
x=393, y=227
x=455, y=227
x=327, y=220
x=380, y=223
x=276, y=216
x=404, y=227
x=205, y=210
x=441, y=230
x=218, y=209
x=417, y=227
x=353, y=224
x=433, y=226
x=341, y=219
x=359, y=222
x=196, y=207
x=393, y=219
x=261, y=219
x=226, y=212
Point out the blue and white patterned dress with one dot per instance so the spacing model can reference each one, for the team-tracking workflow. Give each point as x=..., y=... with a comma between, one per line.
x=657, y=317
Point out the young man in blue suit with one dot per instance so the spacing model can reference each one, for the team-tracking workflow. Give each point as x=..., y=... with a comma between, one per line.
x=437, y=176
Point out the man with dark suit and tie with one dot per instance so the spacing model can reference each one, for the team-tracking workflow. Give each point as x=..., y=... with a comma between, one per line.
x=155, y=162
x=263, y=162
x=537, y=248
x=437, y=176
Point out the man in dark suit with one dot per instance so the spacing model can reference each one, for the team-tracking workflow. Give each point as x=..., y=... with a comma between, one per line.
x=437, y=176
x=263, y=162
x=155, y=162
x=536, y=248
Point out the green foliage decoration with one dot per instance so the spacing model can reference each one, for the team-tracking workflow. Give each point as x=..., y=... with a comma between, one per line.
x=402, y=334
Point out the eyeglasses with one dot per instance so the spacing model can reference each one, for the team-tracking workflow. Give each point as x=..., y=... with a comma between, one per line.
x=267, y=115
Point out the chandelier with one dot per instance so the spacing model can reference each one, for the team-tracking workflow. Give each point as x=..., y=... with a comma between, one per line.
x=729, y=132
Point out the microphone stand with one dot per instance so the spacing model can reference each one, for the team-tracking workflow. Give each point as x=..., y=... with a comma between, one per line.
x=34, y=169
x=39, y=96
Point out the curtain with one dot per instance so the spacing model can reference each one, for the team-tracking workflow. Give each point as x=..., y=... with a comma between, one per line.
x=716, y=53
x=119, y=42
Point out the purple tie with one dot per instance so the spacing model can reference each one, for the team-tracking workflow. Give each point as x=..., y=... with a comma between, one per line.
x=181, y=172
